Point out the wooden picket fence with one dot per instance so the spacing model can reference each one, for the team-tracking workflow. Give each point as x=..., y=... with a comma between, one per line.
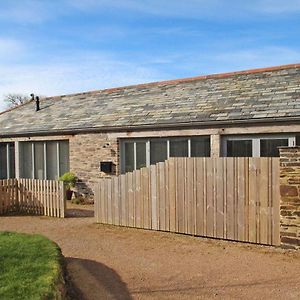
x=32, y=196
x=228, y=198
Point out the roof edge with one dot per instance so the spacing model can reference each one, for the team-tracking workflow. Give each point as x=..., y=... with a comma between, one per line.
x=198, y=124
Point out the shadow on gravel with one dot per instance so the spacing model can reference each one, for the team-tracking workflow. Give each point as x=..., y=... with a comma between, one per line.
x=89, y=279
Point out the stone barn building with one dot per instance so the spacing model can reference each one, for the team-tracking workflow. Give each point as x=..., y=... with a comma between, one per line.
x=107, y=132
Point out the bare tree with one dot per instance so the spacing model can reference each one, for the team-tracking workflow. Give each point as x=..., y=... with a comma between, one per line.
x=13, y=100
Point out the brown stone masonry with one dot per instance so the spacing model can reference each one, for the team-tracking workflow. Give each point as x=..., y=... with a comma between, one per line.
x=86, y=153
x=290, y=197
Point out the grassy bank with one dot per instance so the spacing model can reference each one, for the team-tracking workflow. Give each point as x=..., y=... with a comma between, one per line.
x=29, y=267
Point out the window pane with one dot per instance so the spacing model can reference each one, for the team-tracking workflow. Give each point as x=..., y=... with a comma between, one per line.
x=158, y=151
x=3, y=161
x=140, y=155
x=200, y=147
x=26, y=160
x=129, y=157
x=297, y=140
x=179, y=148
x=239, y=148
x=269, y=147
x=39, y=172
x=52, y=170
x=64, y=160
x=12, y=160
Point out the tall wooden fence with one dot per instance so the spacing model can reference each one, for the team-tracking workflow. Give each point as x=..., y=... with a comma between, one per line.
x=32, y=196
x=227, y=198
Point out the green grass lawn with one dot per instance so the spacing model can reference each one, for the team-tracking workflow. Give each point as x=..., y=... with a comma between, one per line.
x=29, y=266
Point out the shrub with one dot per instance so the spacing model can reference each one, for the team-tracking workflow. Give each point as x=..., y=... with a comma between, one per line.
x=69, y=179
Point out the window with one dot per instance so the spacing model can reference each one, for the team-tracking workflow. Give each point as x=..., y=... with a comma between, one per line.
x=26, y=163
x=3, y=161
x=255, y=146
x=178, y=148
x=269, y=147
x=139, y=153
x=39, y=166
x=200, y=147
x=158, y=151
x=44, y=160
x=129, y=158
x=239, y=148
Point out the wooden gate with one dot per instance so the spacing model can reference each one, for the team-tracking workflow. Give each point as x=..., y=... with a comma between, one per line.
x=228, y=198
x=32, y=196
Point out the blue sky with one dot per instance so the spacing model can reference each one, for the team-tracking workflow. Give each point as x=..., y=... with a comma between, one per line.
x=65, y=46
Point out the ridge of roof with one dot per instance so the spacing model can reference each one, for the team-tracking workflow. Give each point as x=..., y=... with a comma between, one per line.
x=168, y=82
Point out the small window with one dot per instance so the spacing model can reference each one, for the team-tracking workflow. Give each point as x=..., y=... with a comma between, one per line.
x=269, y=147
x=140, y=155
x=178, y=148
x=239, y=148
x=39, y=171
x=3, y=161
x=158, y=151
x=64, y=160
x=129, y=157
x=51, y=159
x=12, y=173
x=200, y=147
x=26, y=160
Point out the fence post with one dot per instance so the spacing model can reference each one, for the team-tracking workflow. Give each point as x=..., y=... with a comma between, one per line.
x=62, y=199
x=290, y=197
x=16, y=193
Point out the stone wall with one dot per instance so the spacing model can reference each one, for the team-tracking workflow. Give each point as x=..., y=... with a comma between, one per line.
x=86, y=153
x=290, y=197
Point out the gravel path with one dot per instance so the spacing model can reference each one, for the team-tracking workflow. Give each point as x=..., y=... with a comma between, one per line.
x=106, y=262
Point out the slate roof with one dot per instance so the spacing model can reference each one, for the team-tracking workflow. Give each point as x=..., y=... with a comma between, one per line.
x=259, y=95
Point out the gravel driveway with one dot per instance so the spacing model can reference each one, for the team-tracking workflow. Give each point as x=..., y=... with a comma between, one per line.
x=106, y=262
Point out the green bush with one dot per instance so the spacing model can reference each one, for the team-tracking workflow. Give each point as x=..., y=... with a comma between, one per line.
x=69, y=179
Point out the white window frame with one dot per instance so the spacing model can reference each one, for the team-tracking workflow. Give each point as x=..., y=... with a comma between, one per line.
x=256, y=141
x=148, y=141
x=33, y=173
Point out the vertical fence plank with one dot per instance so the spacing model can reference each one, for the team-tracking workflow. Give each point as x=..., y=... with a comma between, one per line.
x=263, y=208
x=253, y=198
x=167, y=196
x=230, y=198
x=219, y=198
x=241, y=196
x=153, y=185
x=147, y=198
x=190, y=196
x=172, y=193
x=162, y=199
x=137, y=199
x=210, y=218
